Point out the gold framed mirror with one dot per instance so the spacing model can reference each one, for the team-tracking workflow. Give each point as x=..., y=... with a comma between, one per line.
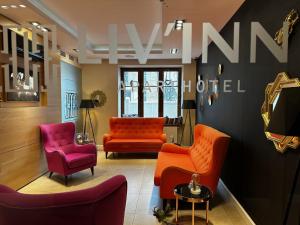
x=272, y=94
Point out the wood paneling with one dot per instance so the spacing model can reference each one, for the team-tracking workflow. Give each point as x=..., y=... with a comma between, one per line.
x=21, y=155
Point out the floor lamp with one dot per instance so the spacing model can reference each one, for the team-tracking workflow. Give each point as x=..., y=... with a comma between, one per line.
x=189, y=105
x=285, y=120
x=88, y=104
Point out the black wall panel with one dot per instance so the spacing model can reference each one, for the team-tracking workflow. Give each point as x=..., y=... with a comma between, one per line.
x=258, y=176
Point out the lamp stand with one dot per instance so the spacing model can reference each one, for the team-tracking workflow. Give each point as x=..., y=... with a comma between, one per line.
x=188, y=114
x=288, y=207
x=87, y=113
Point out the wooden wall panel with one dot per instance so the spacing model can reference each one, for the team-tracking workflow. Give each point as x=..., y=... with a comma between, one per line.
x=21, y=155
x=20, y=166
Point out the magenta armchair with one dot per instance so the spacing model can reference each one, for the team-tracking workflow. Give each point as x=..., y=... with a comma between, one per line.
x=63, y=155
x=100, y=205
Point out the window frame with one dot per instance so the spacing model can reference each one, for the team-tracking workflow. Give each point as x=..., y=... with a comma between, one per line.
x=160, y=71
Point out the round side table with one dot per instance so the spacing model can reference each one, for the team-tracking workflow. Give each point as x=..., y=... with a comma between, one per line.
x=182, y=192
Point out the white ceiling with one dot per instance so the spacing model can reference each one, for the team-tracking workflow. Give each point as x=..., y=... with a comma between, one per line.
x=96, y=15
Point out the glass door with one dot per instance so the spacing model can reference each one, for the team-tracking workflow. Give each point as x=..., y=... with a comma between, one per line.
x=130, y=94
x=150, y=93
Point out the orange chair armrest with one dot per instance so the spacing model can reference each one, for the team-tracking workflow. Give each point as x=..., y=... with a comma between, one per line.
x=163, y=137
x=106, y=138
x=172, y=148
x=170, y=178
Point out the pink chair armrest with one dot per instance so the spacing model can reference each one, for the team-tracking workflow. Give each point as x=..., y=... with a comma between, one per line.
x=6, y=190
x=172, y=148
x=88, y=148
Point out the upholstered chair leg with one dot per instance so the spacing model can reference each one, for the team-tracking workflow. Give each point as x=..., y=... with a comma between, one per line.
x=66, y=180
x=106, y=153
x=50, y=174
x=92, y=170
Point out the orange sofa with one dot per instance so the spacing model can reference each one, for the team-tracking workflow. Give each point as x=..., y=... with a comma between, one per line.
x=134, y=135
x=176, y=164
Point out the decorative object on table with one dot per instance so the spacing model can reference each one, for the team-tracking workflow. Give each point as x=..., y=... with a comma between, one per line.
x=163, y=215
x=182, y=192
x=99, y=97
x=220, y=69
x=189, y=105
x=83, y=139
x=272, y=95
x=88, y=104
x=292, y=18
x=285, y=121
x=79, y=138
x=194, y=185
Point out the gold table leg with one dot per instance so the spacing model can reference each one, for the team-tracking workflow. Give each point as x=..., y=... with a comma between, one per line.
x=176, y=213
x=193, y=213
x=207, y=208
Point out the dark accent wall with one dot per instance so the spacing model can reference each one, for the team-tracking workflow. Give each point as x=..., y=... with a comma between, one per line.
x=257, y=175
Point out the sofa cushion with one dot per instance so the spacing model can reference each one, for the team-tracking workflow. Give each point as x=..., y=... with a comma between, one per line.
x=202, y=150
x=78, y=159
x=166, y=159
x=133, y=144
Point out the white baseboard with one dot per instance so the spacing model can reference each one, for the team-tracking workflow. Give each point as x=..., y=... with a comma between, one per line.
x=226, y=194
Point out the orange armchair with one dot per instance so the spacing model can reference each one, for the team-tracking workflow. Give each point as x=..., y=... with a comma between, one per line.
x=176, y=164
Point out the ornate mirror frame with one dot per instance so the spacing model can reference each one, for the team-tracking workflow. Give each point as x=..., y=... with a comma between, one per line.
x=272, y=93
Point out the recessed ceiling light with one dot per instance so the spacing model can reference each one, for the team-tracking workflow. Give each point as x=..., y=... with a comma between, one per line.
x=4, y=7
x=179, y=24
x=35, y=24
x=44, y=29
x=173, y=51
x=13, y=6
x=22, y=6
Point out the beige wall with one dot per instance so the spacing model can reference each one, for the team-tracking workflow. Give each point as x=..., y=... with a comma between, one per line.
x=104, y=77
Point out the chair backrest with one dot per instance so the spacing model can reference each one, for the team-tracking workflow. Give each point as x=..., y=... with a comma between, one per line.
x=100, y=205
x=209, y=149
x=57, y=134
x=136, y=127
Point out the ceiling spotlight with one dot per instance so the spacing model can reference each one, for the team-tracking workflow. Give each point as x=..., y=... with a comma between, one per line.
x=13, y=6
x=35, y=24
x=173, y=51
x=22, y=6
x=179, y=24
x=44, y=29
x=4, y=7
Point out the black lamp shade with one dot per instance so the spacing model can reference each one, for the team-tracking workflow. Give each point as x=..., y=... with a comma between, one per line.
x=285, y=119
x=87, y=104
x=189, y=104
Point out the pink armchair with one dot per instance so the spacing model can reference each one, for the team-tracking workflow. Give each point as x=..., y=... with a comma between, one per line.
x=100, y=205
x=63, y=155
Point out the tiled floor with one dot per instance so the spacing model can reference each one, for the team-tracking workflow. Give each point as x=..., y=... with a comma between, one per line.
x=142, y=195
